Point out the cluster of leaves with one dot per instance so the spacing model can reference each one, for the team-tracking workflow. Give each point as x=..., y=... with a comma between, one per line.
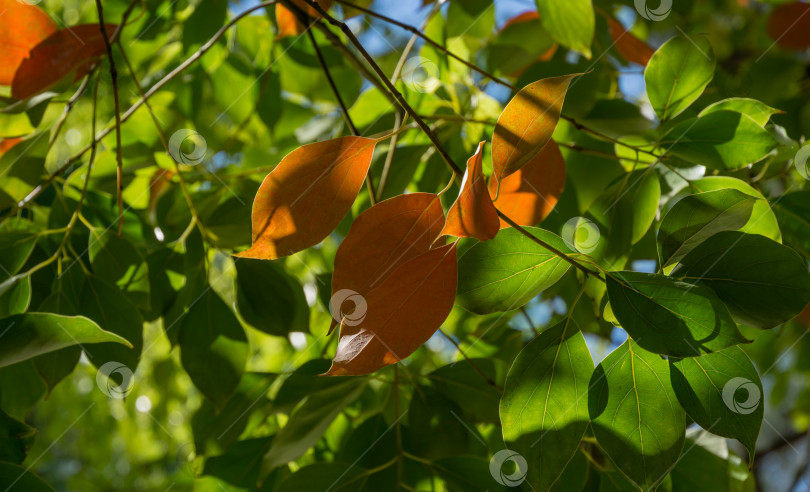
x=127, y=245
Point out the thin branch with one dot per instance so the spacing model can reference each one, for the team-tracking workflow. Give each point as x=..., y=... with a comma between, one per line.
x=119, y=157
x=343, y=109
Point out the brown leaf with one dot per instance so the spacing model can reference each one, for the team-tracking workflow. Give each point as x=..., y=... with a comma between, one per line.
x=22, y=27
x=529, y=195
x=789, y=26
x=527, y=123
x=287, y=22
x=628, y=45
x=305, y=197
x=473, y=214
x=68, y=51
x=403, y=312
x=7, y=143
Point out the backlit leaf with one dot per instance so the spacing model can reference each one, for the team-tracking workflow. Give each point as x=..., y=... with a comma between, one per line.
x=68, y=51
x=22, y=26
x=628, y=45
x=570, y=22
x=403, y=312
x=305, y=197
x=32, y=334
x=507, y=272
x=762, y=282
x=634, y=414
x=287, y=21
x=677, y=74
x=670, y=317
x=722, y=392
x=696, y=217
x=756, y=110
x=544, y=409
x=529, y=195
x=526, y=124
x=473, y=214
x=789, y=25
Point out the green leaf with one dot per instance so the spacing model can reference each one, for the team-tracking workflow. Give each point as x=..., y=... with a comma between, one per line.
x=677, y=74
x=270, y=299
x=16, y=298
x=215, y=430
x=16, y=439
x=28, y=335
x=544, y=409
x=762, y=221
x=19, y=478
x=436, y=427
x=756, y=110
x=15, y=248
x=319, y=477
x=466, y=473
x=634, y=414
x=707, y=465
x=762, y=282
x=793, y=212
x=240, y=464
x=507, y=272
x=667, y=316
x=721, y=140
x=213, y=348
x=571, y=23
x=695, y=218
x=722, y=393
x=307, y=424
x=462, y=384
x=305, y=381
x=474, y=18
x=114, y=312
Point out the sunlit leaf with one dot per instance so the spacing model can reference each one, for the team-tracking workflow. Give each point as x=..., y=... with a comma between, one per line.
x=22, y=26
x=403, y=312
x=304, y=198
x=571, y=23
x=473, y=214
x=529, y=195
x=526, y=124
x=678, y=73
x=756, y=110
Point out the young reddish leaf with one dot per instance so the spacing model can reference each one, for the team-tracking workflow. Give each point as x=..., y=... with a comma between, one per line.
x=628, y=45
x=526, y=124
x=7, y=143
x=402, y=313
x=22, y=26
x=70, y=50
x=529, y=195
x=789, y=26
x=287, y=22
x=473, y=214
x=305, y=197
x=385, y=236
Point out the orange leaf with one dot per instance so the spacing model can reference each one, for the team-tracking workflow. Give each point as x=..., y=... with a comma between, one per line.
x=628, y=45
x=529, y=195
x=527, y=123
x=403, y=312
x=70, y=50
x=287, y=22
x=22, y=26
x=7, y=143
x=789, y=26
x=473, y=214
x=305, y=197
